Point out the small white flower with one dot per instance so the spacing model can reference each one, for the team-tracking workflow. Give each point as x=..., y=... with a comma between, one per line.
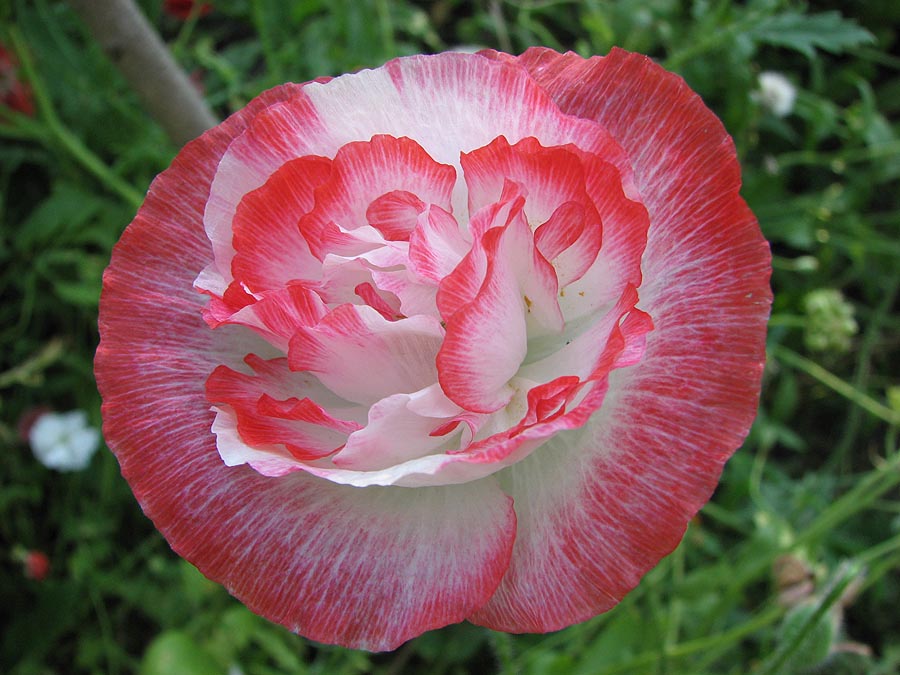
x=64, y=441
x=776, y=93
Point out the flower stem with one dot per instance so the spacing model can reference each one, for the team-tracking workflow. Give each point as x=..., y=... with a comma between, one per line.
x=845, y=576
x=832, y=381
x=139, y=53
x=62, y=135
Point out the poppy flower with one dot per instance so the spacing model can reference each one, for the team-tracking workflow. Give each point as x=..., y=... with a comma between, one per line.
x=184, y=9
x=37, y=565
x=467, y=336
x=14, y=93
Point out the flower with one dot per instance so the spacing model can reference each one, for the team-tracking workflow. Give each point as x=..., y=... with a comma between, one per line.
x=461, y=337
x=37, y=565
x=64, y=441
x=14, y=93
x=776, y=93
x=184, y=9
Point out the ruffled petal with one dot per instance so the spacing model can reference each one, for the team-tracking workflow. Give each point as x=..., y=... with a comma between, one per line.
x=394, y=433
x=395, y=213
x=276, y=315
x=548, y=176
x=436, y=245
x=363, y=173
x=269, y=249
x=276, y=407
x=363, y=357
x=486, y=339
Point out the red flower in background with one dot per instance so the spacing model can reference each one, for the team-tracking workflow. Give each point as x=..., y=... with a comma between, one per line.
x=462, y=337
x=35, y=563
x=14, y=93
x=183, y=9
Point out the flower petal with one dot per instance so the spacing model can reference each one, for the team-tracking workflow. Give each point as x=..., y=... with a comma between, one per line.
x=294, y=418
x=436, y=245
x=269, y=249
x=548, y=176
x=363, y=357
x=276, y=315
x=393, y=434
x=362, y=173
x=394, y=214
x=486, y=339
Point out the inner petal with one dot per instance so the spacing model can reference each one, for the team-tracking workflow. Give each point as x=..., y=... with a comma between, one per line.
x=366, y=171
x=395, y=433
x=275, y=407
x=486, y=338
x=363, y=357
x=549, y=176
x=269, y=249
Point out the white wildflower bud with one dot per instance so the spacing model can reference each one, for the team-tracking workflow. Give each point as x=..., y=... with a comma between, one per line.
x=64, y=441
x=776, y=93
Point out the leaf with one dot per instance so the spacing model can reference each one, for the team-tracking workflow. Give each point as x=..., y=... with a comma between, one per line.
x=67, y=208
x=175, y=653
x=815, y=644
x=805, y=33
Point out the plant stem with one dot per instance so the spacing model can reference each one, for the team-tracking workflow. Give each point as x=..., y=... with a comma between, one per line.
x=139, y=53
x=31, y=370
x=832, y=381
x=728, y=637
x=61, y=134
x=845, y=577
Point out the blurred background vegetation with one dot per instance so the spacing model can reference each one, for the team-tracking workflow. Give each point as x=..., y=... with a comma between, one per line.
x=792, y=568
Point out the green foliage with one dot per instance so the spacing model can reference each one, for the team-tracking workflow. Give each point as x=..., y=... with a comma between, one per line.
x=807, y=32
x=818, y=477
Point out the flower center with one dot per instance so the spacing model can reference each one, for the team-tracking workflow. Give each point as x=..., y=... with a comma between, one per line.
x=412, y=346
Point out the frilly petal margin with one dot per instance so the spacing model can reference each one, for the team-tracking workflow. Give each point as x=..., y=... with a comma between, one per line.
x=601, y=505
x=363, y=568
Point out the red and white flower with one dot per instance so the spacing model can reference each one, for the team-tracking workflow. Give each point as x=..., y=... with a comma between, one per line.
x=462, y=337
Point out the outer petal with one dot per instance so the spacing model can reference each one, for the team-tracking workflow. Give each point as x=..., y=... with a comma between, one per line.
x=599, y=506
x=365, y=568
